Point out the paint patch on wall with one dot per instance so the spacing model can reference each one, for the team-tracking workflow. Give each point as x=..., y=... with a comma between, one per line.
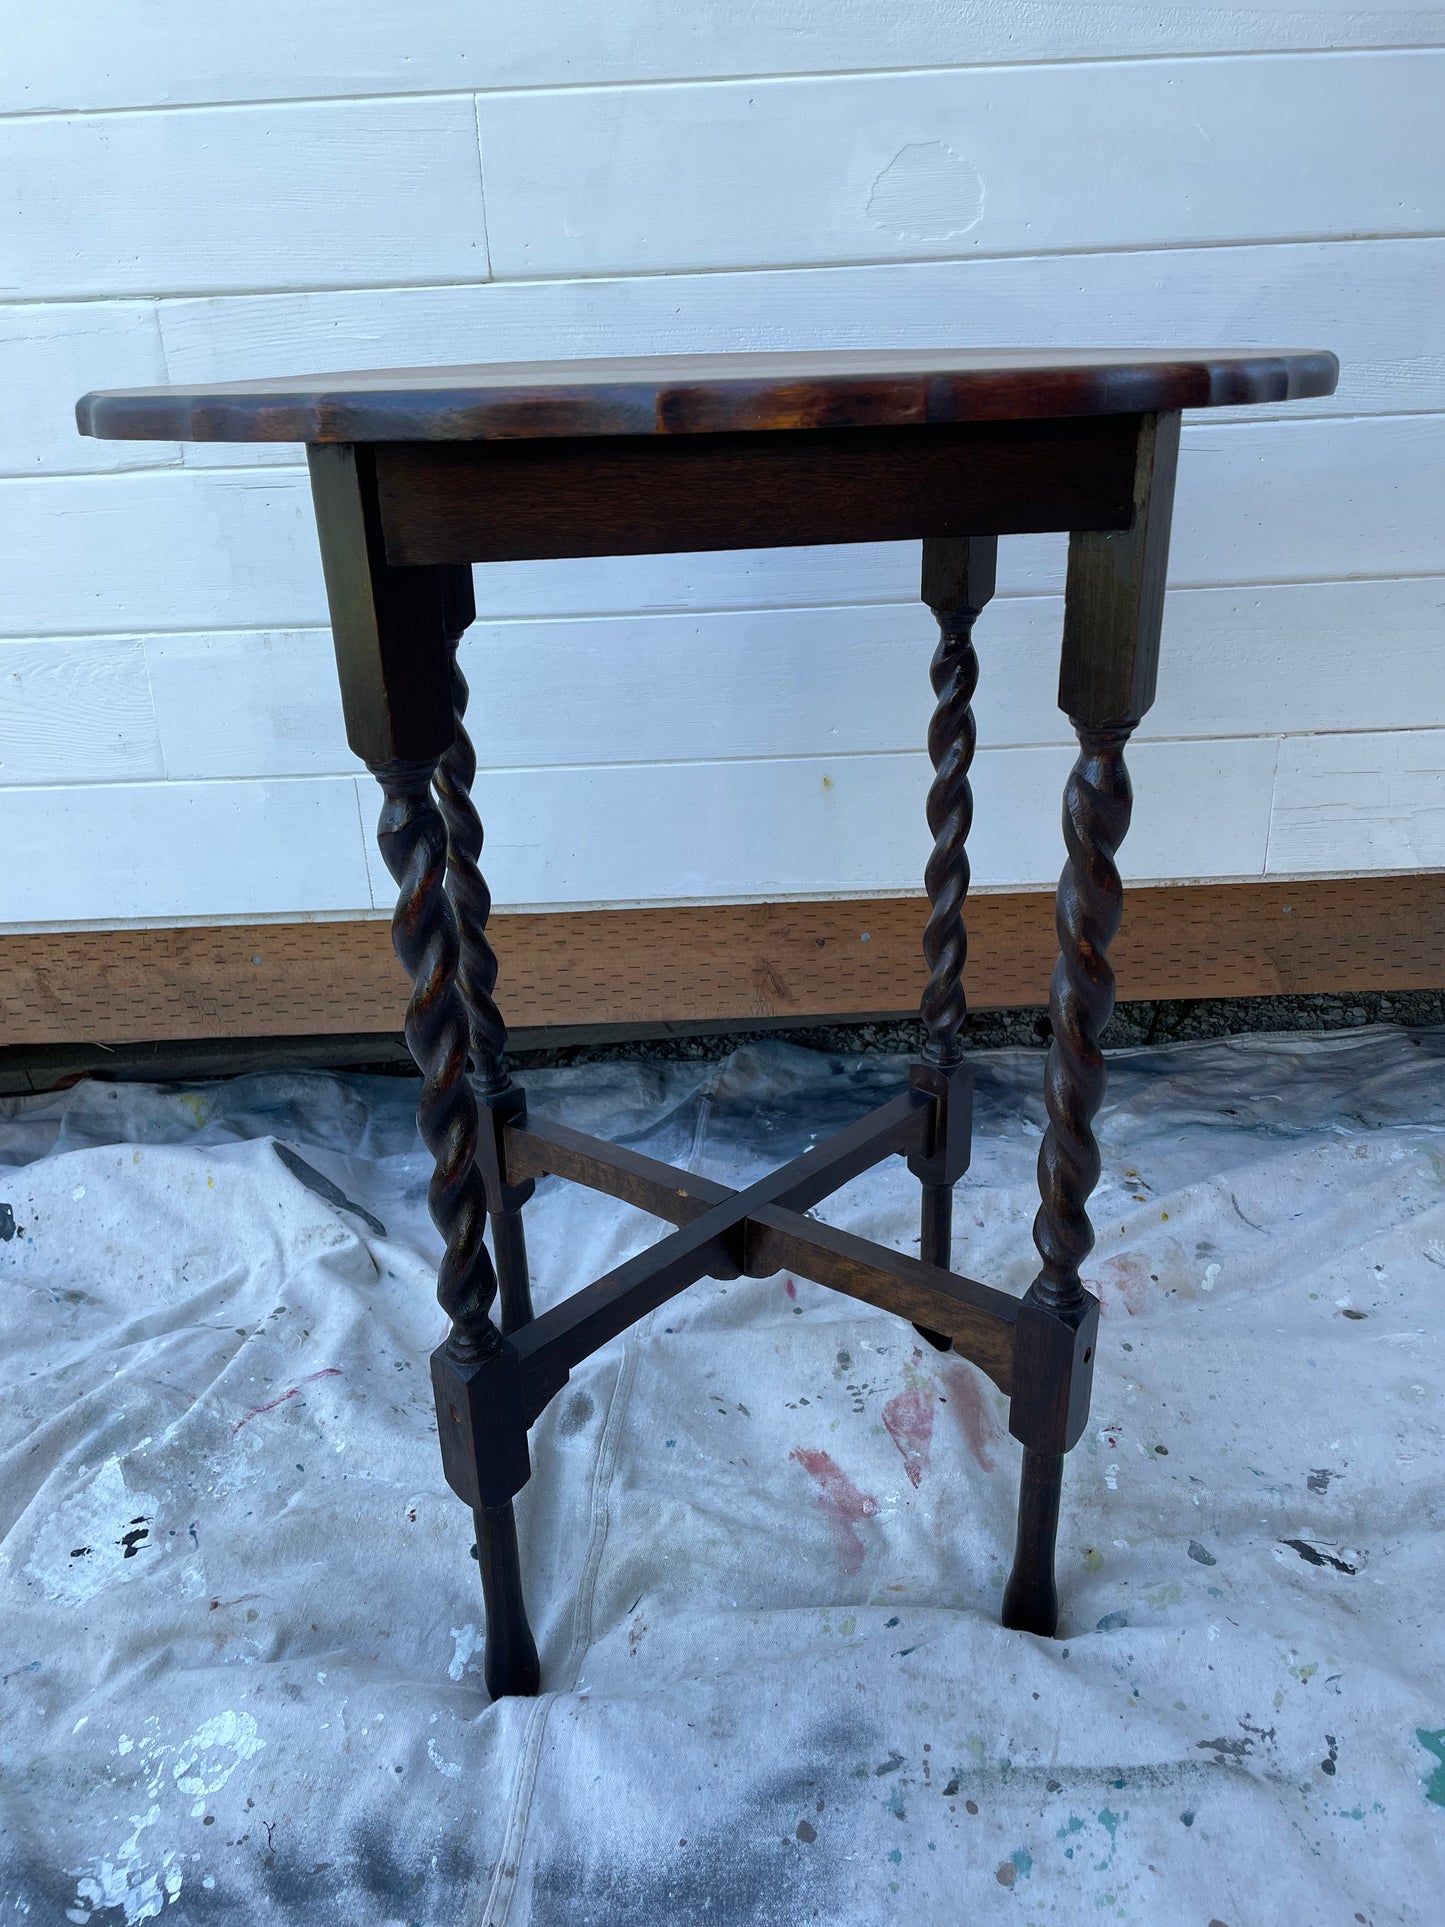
x=927, y=192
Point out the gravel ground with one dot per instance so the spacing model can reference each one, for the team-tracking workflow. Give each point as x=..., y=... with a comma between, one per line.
x=1137, y=1023
x=28, y=1070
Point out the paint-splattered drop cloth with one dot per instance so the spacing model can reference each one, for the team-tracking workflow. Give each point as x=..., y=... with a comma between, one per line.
x=766, y=1537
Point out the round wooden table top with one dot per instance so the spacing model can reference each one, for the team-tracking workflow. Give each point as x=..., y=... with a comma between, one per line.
x=708, y=394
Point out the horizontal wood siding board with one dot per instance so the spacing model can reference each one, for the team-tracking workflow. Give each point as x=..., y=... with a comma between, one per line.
x=163, y=851
x=173, y=51
x=825, y=824
x=734, y=962
x=49, y=353
x=712, y=686
x=303, y=194
x=1365, y=801
x=875, y=167
x=740, y=683
x=624, y=833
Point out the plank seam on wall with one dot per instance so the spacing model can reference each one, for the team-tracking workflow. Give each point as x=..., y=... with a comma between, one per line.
x=761, y=759
x=831, y=265
x=151, y=61
x=632, y=618
x=177, y=297
x=380, y=914
x=482, y=189
x=768, y=77
x=881, y=268
x=1274, y=803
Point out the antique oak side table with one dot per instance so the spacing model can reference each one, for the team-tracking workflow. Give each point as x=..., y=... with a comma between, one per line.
x=420, y=473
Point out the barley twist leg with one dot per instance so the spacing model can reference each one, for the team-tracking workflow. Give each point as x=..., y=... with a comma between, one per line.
x=1058, y=1314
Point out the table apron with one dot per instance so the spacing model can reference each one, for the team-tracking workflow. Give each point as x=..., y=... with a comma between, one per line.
x=501, y=501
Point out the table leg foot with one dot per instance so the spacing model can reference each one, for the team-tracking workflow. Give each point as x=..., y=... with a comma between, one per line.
x=1031, y=1600
x=510, y=1665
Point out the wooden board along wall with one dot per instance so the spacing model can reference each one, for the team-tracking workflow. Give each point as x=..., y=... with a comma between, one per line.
x=721, y=963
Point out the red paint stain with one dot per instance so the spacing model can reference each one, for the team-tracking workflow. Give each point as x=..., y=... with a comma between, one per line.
x=1128, y=1276
x=843, y=1504
x=790, y=1288
x=968, y=1404
x=909, y=1419
x=331, y=1371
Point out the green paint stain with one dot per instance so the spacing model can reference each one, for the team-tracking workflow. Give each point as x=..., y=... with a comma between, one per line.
x=895, y=1803
x=1075, y=1825
x=1304, y=1674
x=896, y=1857
x=847, y=1627
x=1093, y=1560
x=1109, y=1821
x=1434, y=1743
x=1023, y=1860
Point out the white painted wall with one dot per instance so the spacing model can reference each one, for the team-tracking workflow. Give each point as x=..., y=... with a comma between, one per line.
x=351, y=183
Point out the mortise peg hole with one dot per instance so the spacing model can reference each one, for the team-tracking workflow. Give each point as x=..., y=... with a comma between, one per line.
x=1088, y=1354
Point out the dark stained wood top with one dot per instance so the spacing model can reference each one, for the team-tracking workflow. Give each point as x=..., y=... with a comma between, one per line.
x=707, y=394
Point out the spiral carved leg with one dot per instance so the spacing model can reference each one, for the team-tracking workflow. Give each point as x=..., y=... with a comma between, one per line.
x=471, y=902
x=952, y=739
x=1058, y=1319
x=1097, y=803
x=412, y=837
x=958, y=580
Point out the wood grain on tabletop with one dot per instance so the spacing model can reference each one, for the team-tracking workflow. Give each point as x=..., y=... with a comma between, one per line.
x=706, y=394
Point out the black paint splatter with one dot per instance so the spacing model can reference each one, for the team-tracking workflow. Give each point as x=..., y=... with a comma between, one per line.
x=1227, y=1749
x=1312, y=1555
